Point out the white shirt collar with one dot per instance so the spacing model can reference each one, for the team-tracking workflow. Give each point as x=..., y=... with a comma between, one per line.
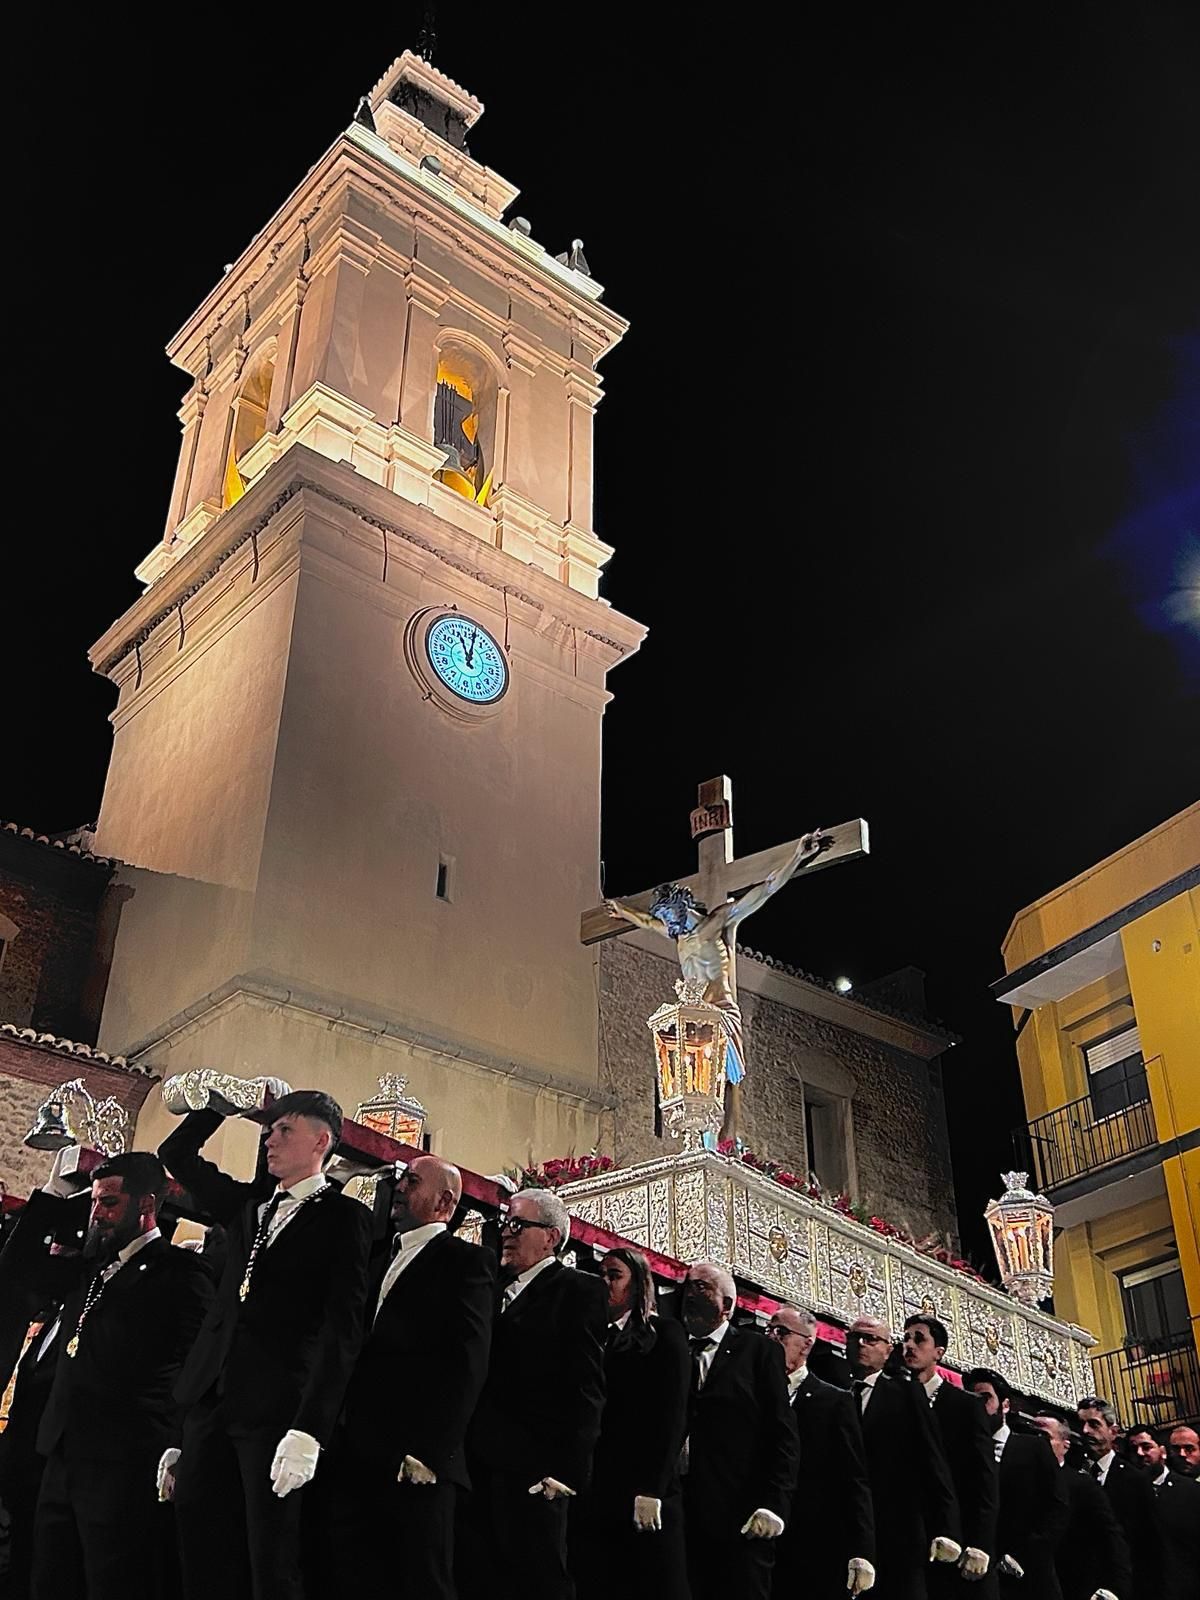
x=872, y=1378
x=622, y=1319
x=1162, y=1478
x=795, y=1379
x=932, y=1384
x=526, y=1278
x=523, y=1279
x=416, y=1237
x=140, y=1243
x=306, y=1186
x=718, y=1333
x=1000, y=1437
x=1104, y=1463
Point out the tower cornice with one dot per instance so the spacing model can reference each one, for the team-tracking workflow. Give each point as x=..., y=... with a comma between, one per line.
x=304, y=472
x=363, y=161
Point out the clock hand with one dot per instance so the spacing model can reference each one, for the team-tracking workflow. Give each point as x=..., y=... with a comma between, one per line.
x=471, y=650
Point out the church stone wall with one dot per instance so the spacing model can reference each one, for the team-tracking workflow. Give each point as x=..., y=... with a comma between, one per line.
x=53, y=900
x=899, y=1157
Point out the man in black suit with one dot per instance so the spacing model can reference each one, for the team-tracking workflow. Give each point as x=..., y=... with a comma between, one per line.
x=1128, y=1491
x=742, y=1452
x=397, y=1461
x=1033, y=1500
x=531, y=1440
x=966, y=1436
x=1092, y=1557
x=916, y=1513
x=266, y=1377
x=828, y=1545
x=132, y=1307
x=21, y=1466
x=1176, y=1511
x=1183, y=1451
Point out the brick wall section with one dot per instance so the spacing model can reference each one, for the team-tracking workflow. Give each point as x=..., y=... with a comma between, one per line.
x=28, y=1074
x=53, y=898
x=901, y=1146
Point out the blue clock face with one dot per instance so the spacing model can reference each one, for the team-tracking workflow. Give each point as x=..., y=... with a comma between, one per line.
x=467, y=660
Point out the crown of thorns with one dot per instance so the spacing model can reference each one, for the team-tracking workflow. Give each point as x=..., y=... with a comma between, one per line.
x=673, y=895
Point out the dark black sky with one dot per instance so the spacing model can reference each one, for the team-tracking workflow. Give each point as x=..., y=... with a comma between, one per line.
x=899, y=456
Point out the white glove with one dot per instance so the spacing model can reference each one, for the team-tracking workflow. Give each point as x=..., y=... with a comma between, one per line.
x=763, y=1525
x=861, y=1575
x=414, y=1471
x=943, y=1549
x=551, y=1489
x=1104, y=1594
x=1012, y=1568
x=278, y=1087
x=65, y=1178
x=166, y=1474
x=647, y=1513
x=974, y=1563
x=295, y=1462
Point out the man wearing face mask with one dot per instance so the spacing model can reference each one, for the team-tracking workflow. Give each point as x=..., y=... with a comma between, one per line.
x=132, y=1308
x=916, y=1512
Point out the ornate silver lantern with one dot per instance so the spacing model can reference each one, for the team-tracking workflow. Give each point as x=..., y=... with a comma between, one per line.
x=1022, y=1228
x=690, y=1041
x=394, y=1112
x=71, y=1116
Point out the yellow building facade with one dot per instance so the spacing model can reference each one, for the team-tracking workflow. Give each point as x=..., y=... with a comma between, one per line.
x=1103, y=976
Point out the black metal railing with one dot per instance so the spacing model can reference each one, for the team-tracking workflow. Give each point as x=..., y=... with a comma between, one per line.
x=1073, y=1140
x=1156, y=1381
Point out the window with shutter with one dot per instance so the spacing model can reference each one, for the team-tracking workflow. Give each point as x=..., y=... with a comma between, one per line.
x=1116, y=1072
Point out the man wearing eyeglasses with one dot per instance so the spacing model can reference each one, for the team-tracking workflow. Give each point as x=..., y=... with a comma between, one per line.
x=916, y=1513
x=829, y=1543
x=534, y=1431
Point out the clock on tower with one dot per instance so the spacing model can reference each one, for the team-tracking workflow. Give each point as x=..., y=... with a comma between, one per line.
x=356, y=759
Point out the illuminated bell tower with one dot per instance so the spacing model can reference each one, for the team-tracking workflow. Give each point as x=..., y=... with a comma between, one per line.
x=356, y=762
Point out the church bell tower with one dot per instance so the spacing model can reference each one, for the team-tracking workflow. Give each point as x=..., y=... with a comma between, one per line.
x=355, y=778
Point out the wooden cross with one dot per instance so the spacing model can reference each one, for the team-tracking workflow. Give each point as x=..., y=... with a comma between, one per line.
x=721, y=876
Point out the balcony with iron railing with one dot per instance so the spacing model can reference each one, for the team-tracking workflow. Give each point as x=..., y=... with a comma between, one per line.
x=1153, y=1381
x=1075, y=1141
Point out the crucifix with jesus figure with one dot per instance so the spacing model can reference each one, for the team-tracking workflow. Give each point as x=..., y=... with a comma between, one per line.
x=700, y=915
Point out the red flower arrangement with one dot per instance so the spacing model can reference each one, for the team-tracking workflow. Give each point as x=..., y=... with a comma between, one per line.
x=563, y=1169
x=842, y=1203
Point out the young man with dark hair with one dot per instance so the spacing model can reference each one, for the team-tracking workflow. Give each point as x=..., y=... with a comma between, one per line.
x=966, y=1435
x=132, y=1308
x=268, y=1372
x=1033, y=1498
x=1129, y=1493
x=1176, y=1511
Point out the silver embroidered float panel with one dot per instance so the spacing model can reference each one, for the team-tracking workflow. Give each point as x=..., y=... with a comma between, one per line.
x=700, y=1206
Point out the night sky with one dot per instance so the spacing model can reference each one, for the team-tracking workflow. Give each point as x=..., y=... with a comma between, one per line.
x=899, y=456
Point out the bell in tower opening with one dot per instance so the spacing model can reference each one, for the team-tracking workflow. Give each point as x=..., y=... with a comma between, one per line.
x=464, y=422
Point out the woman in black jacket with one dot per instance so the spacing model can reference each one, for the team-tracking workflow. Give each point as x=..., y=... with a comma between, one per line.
x=631, y=1520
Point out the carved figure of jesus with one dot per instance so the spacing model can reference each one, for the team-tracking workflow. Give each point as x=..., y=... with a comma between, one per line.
x=704, y=943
